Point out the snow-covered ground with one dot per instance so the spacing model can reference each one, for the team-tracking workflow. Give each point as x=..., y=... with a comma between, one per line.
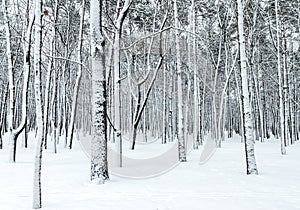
x=220, y=183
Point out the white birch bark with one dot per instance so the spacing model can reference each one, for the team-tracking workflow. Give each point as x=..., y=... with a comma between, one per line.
x=99, y=166
x=37, y=200
x=10, y=117
x=249, y=141
x=181, y=139
x=281, y=103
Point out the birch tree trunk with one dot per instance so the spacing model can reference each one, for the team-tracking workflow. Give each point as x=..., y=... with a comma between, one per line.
x=99, y=166
x=281, y=102
x=247, y=118
x=37, y=197
x=181, y=140
x=10, y=118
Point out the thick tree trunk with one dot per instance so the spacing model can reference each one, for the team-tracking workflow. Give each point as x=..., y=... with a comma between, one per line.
x=281, y=102
x=246, y=104
x=181, y=139
x=99, y=166
x=37, y=193
x=10, y=118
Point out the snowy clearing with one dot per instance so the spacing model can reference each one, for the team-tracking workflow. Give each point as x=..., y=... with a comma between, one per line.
x=220, y=183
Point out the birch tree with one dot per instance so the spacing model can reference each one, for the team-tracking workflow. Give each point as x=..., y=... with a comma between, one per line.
x=99, y=168
x=246, y=104
x=281, y=101
x=37, y=193
x=10, y=117
x=181, y=139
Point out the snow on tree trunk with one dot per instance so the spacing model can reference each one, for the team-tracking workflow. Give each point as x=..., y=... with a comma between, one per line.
x=281, y=102
x=10, y=119
x=181, y=140
x=99, y=168
x=37, y=200
x=247, y=118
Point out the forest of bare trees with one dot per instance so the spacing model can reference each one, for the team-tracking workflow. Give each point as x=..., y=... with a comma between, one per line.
x=165, y=69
